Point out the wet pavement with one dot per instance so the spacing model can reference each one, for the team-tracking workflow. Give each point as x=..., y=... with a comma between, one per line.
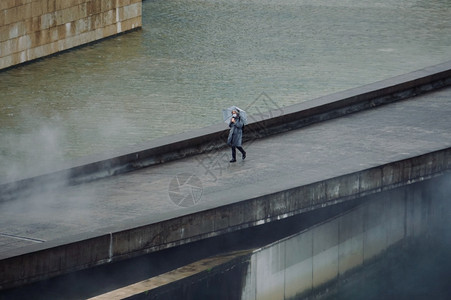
x=355, y=142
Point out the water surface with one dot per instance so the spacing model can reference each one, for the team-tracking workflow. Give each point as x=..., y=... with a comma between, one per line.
x=192, y=58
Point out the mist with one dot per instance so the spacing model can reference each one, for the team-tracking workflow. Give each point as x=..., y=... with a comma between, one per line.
x=51, y=143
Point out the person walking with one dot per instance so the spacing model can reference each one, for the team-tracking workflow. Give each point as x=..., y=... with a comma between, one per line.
x=236, y=135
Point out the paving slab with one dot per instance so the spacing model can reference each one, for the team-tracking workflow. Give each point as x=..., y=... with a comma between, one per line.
x=325, y=150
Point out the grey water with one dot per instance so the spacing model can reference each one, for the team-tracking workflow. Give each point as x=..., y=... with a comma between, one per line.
x=193, y=58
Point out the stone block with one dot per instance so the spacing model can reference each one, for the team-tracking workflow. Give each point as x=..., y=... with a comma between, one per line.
x=63, y=4
x=81, y=26
x=38, y=8
x=24, y=42
x=3, y=48
x=131, y=24
x=23, y=56
x=12, y=31
x=89, y=36
x=15, y=58
x=17, y=14
x=5, y=61
x=108, y=17
x=40, y=38
x=107, y=5
x=122, y=3
x=95, y=21
x=32, y=24
x=5, y=4
x=39, y=51
x=51, y=5
x=70, y=14
x=47, y=21
x=106, y=31
x=93, y=8
x=130, y=11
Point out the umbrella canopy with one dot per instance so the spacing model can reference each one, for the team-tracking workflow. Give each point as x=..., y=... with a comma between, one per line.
x=227, y=114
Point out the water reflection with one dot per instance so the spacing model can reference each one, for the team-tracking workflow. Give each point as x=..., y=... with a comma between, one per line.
x=194, y=57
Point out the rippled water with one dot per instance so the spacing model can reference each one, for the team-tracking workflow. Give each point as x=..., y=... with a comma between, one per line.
x=193, y=58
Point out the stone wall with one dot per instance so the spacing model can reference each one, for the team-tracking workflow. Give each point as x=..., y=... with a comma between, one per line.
x=30, y=29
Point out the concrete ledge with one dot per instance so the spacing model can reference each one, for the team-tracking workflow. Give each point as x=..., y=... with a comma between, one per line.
x=40, y=261
x=213, y=137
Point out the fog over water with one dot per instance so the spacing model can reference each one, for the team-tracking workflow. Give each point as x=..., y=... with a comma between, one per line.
x=192, y=58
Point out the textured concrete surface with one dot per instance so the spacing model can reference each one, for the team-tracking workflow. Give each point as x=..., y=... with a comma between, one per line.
x=326, y=150
x=300, y=157
x=201, y=140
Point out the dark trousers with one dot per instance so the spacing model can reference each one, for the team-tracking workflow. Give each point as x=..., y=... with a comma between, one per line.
x=234, y=151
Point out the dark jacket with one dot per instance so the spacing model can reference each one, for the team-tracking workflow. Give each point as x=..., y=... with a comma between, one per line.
x=235, y=133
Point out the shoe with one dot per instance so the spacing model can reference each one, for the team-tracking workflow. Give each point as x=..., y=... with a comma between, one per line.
x=233, y=160
x=244, y=155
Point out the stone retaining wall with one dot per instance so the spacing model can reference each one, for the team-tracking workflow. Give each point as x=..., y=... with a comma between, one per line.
x=30, y=29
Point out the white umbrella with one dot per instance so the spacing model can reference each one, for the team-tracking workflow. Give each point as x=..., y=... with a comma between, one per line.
x=227, y=114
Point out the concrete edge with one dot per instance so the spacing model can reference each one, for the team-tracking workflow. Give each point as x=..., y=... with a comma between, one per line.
x=41, y=261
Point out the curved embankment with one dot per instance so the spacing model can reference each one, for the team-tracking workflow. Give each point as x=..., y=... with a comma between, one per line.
x=280, y=120
x=53, y=258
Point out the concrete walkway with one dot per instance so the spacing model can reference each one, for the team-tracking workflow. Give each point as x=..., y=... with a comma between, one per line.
x=325, y=150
